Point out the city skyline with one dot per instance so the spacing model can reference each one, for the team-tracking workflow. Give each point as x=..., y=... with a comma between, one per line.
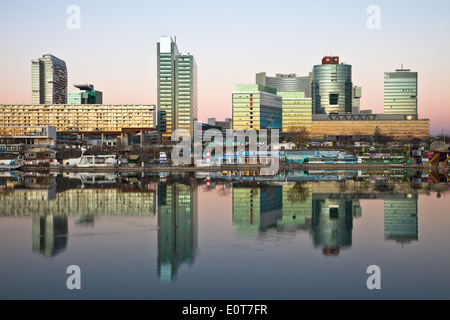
x=227, y=48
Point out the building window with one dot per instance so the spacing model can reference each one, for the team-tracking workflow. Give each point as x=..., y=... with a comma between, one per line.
x=334, y=99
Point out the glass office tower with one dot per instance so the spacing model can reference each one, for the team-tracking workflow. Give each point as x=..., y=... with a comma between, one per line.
x=256, y=107
x=177, y=88
x=332, y=87
x=49, y=80
x=400, y=92
x=186, y=99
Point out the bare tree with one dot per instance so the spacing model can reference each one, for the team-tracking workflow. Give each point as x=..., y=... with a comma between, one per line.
x=298, y=136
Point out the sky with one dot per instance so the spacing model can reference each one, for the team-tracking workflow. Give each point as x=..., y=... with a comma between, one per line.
x=112, y=45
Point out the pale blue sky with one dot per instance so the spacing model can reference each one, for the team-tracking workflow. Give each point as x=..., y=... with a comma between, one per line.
x=115, y=49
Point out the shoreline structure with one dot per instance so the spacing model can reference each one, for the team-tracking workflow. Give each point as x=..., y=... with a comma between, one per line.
x=234, y=167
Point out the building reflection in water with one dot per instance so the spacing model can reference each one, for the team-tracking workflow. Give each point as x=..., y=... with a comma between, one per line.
x=325, y=211
x=50, y=234
x=256, y=207
x=332, y=223
x=400, y=218
x=177, y=227
x=322, y=210
x=296, y=207
x=51, y=200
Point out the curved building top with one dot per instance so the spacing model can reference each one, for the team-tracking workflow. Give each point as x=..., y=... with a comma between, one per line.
x=332, y=87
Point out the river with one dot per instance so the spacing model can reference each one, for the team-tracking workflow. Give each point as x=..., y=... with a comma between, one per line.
x=304, y=235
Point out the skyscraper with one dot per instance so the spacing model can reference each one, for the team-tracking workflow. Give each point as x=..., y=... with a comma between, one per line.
x=49, y=80
x=186, y=99
x=177, y=88
x=332, y=87
x=400, y=92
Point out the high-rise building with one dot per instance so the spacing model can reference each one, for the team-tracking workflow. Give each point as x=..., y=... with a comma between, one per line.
x=286, y=82
x=87, y=95
x=186, y=99
x=176, y=87
x=400, y=92
x=332, y=87
x=49, y=80
x=356, y=102
x=256, y=107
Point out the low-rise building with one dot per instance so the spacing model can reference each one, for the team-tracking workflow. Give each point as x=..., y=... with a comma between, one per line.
x=347, y=125
x=84, y=117
x=29, y=136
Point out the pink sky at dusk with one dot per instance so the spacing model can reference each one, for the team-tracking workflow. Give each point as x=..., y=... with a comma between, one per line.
x=115, y=47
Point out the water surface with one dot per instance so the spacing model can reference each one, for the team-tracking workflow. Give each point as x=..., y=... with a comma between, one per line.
x=158, y=238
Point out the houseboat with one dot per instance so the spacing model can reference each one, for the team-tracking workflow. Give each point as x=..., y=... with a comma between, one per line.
x=88, y=161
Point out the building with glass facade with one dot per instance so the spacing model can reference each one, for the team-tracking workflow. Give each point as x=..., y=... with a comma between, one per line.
x=286, y=82
x=186, y=98
x=400, y=92
x=176, y=89
x=356, y=100
x=256, y=107
x=332, y=87
x=87, y=95
x=297, y=111
x=49, y=80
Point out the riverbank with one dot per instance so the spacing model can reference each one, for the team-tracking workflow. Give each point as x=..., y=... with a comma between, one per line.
x=234, y=167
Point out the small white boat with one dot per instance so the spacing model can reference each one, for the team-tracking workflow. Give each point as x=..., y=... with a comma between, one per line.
x=88, y=161
x=11, y=164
